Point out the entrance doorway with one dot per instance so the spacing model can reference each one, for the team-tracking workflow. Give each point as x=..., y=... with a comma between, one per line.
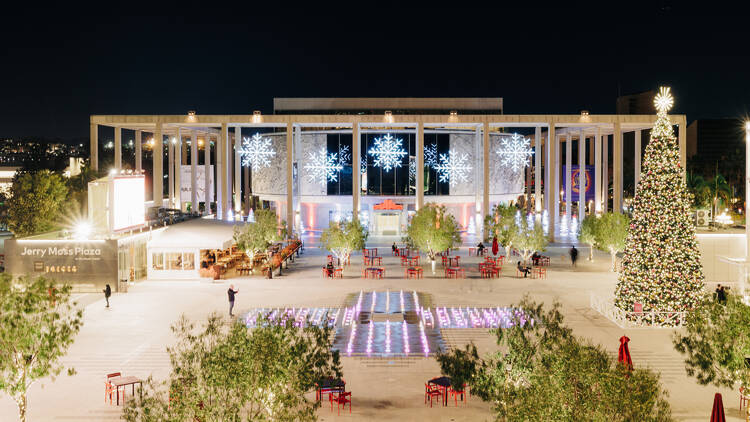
x=388, y=224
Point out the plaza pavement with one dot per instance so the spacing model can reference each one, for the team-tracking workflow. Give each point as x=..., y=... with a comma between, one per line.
x=132, y=334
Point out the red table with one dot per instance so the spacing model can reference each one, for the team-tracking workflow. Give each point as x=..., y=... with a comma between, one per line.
x=453, y=261
x=374, y=272
x=373, y=260
x=489, y=271
x=123, y=382
x=539, y=272
x=414, y=272
x=411, y=261
x=455, y=272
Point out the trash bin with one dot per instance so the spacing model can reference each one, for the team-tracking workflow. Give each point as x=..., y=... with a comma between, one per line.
x=122, y=286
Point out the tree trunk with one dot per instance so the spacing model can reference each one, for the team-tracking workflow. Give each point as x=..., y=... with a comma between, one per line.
x=21, y=402
x=591, y=253
x=432, y=263
x=613, y=253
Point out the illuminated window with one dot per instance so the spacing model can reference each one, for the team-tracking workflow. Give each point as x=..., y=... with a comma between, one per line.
x=157, y=261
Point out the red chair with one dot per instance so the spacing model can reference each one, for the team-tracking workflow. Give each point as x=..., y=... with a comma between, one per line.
x=743, y=399
x=432, y=391
x=456, y=393
x=109, y=389
x=341, y=398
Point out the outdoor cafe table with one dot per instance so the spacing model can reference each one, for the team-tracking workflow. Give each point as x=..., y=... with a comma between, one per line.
x=411, y=261
x=373, y=260
x=374, y=272
x=455, y=272
x=328, y=385
x=453, y=261
x=124, y=382
x=443, y=383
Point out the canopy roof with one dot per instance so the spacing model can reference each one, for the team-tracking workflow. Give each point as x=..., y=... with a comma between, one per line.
x=202, y=233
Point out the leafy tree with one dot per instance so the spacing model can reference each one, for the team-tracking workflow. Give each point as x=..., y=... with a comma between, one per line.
x=716, y=342
x=502, y=223
x=699, y=187
x=343, y=238
x=720, y=191
x=611, y=232
x=587, y=233
x=433, y=230
x=257, y=236
x=224, y=372
x=529, y=239
x=35, y=203
x=542, y=372
x=38, y=322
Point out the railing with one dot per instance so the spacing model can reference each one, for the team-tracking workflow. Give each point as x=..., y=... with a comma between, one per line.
x=649, y=319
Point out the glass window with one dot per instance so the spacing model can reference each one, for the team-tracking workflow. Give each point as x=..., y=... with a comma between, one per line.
x=174, y=260
x=188, y=261
x=157, y=261
x=397, y=180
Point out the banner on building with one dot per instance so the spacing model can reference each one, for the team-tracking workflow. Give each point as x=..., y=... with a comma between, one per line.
x=575, y=175
x=200, y=183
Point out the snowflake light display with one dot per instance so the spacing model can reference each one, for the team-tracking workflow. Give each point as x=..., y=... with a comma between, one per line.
x=515, y=151
x=431, y=156
x=453, y=168
x=323, y=167
x=362, y=165
x=388, y=152
x=344, y=155
x=256, y=152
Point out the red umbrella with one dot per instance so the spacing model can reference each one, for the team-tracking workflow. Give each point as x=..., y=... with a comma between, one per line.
x=623, y=355
x=495, y=246
x=717, y=414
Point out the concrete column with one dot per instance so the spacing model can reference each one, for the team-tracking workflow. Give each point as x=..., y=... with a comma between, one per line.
x=581, y=175
x=356, y=182
x=94, y=146
x=550, y=192
x=605, y=173
x=592, y=151
x=228, y=150
x=598, y=171
x=538, y=169
x=568, y=181
x=138, y=151
x=221, y=172
x=558, y=176
x=289, y=188
x=617, y=169
x=170, y=171
x=420, y=166
x=527, y=170
x=157, y=175
x=237, y=168
x=193, y=171
x=637, y=156
x=118, y=148
x=208, y=188
x=477, y=211
x=486, y=170
x=177, y=170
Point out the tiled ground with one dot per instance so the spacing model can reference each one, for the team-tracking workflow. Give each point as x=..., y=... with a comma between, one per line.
x=131, y=337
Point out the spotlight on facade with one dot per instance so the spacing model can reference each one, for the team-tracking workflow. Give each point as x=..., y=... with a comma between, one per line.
x=191, y=116
x=584, y=113
x=747, y=125
x=454, y=113
x=389, y=116
x=112, y=172
x=174, y=141
x=82, y=230
x=257, y=116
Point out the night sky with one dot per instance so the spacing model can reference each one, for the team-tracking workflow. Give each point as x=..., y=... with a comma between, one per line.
x=60, y=64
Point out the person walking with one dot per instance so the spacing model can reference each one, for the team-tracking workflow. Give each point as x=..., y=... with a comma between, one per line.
x=231, y=292
x=573, y=255
x=107, y=293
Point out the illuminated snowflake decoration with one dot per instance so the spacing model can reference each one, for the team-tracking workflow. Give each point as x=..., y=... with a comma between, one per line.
x=431, y=156
x=412, y=169
x=663, y=101
x=388, y=152
x=256, y=152
x=344, y=155
x=323, y=167
x=453, y=168
x=362, y=165
x=515, y=151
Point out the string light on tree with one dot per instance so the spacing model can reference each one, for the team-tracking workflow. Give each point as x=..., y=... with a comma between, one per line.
x=256, y=152
x=515, y=151
x=388, y=152
x=661, y=268
x=323, y=167
x=453, y=168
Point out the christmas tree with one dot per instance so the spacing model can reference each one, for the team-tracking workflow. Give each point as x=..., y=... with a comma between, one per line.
x=661, y=267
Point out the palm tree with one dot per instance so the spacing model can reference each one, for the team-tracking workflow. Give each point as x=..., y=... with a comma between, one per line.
x=720, y=190
x=700, y=189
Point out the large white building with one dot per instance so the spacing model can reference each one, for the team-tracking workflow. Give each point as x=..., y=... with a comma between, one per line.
x=320, y=159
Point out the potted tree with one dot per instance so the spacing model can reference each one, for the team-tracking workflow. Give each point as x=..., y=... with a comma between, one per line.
x=256, y=237
x=433, y=230
x=343, y=238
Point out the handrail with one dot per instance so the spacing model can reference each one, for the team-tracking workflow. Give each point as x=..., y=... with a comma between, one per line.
x=648, y=319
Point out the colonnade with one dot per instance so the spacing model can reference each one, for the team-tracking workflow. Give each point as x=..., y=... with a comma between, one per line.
x=551, y=135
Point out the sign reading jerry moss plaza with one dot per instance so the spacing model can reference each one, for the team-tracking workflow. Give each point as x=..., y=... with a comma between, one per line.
x=87, y=265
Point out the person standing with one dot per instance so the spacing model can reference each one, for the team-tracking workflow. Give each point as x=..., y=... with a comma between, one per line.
x=231, y=292
x=107, y=293
x=573, y=255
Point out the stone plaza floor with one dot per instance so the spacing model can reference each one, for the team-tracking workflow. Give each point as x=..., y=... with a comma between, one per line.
x=131, y=336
